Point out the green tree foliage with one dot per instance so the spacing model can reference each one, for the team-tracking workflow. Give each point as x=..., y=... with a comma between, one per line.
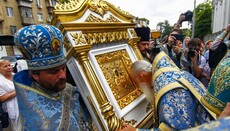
x=164, y=27
x=203, y=22
x=186, y=32
x=144, y=19
x=203, y=19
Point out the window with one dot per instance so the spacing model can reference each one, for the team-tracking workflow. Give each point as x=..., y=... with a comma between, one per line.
x=26, y=12
x=12, y=29
x=9, y=11
x=38, y=3
x=51, y=3
x=40, y=17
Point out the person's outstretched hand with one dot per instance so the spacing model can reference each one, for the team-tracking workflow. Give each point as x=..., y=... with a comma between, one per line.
x=228, y=28
x=225, y=112
x=126, y=127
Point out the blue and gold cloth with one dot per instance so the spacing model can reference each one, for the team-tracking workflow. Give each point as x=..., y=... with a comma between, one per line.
x=218, y=125
x=177, y=96
x=41, y=46
x=218, y=91
x=39, y=111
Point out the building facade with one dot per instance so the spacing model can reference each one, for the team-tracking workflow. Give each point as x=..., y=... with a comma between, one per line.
x=220, y=17
x=221, y=14
x=14, y=14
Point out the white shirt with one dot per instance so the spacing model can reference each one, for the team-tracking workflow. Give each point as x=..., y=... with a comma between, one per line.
x=12, y=104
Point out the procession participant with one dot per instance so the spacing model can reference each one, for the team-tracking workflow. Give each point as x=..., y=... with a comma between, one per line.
x=217, y=97
x=217, y=94
x=219, y=48
x=46, y=101
x=176, y=94
x=173, y=37
x=218, y=125
x=144, y=43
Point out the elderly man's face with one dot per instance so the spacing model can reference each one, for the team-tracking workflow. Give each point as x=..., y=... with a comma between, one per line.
x=53, y=79
x=144, y=80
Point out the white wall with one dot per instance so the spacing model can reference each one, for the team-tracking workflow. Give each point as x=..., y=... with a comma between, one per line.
x=221, y=14
x=2, y=51
x=16, y=51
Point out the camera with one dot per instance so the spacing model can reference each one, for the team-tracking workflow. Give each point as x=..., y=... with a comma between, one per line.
x=192, y=53
x=188, y=15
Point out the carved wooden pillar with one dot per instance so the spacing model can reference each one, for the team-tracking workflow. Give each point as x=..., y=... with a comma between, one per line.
x=106, y=108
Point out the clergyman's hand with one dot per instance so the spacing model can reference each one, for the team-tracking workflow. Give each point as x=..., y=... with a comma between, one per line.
x=126, y=127
x=225, y=112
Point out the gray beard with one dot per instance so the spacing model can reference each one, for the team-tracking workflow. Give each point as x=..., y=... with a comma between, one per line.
x=148, y=91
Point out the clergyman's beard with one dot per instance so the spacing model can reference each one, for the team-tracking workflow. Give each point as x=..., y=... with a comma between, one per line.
x=148, y=91
x=144, y=53
x=59, y=86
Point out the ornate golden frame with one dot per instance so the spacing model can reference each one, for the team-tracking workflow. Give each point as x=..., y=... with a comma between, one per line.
x=114, y=66
x=95, y=30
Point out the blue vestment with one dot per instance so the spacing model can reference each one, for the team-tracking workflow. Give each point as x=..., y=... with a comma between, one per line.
x=218, y=125
x=39, y=111
x=177, y=96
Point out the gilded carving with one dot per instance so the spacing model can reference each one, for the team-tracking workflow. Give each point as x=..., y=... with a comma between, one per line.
x=70, y=5
x=67, y=44
x=149, y=107
x=96, y=6
x=115, y=66
x=133, y=33
x=120, y=10
x=69, y=16
x=96, y=38
x=106, y=108
x=92, y=18
x=99, y=7
x=79, y=39
x=130, y=122
x=112, y=19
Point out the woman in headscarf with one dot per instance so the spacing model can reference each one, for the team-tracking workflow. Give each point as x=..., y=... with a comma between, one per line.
x=185, y=43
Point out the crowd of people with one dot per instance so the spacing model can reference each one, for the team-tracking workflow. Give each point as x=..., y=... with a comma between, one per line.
x=181, y=73
x=189, y=54
x=184, y=76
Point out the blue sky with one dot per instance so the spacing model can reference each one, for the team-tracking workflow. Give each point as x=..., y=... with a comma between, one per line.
x=157, y=10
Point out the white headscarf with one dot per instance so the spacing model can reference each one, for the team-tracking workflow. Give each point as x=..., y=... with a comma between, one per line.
x=184, y=44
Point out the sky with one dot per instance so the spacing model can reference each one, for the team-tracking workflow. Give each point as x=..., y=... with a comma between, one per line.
x=157, y=10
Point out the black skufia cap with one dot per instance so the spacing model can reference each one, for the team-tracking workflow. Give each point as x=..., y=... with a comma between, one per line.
x=143, y=32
